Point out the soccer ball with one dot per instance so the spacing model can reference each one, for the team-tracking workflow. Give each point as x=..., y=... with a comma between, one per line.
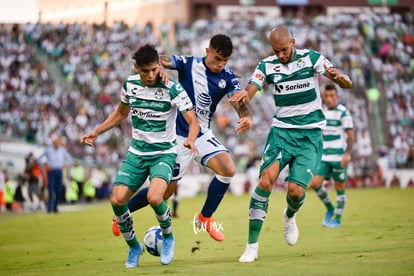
x=153, y=240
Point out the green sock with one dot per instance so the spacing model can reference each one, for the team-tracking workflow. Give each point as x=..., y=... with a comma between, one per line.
x=259, y=203
x=340, y=204
x=163, y=215
x=124, y=218
x=294, y=206
x=323, y=196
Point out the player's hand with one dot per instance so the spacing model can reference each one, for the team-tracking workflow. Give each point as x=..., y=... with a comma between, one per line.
x=164, y=75
x=191, y=146
x=244, y=124
x=332, y=73
x=242, y=96
x=89, y=138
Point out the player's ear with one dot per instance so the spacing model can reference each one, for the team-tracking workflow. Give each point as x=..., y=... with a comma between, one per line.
x=136, y=69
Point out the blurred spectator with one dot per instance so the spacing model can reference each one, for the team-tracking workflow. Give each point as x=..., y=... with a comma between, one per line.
x=57, y=160
x=77, y=174
x=2, y=191
x=8, y=194
x=18, y=198
x=33, y=172
x=376, y=50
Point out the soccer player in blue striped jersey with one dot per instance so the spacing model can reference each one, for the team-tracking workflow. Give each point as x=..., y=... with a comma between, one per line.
x=153, y=105
x=207, y=80
x=338, y=140
x=295, y=137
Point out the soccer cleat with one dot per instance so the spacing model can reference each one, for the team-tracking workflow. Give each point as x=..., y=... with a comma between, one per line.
x=250, y=254
x=115, y=228
x=210, y=226
x=333, y=224
x=291, y=231
x=167, y=250
x=328, y=218
x=133, y=256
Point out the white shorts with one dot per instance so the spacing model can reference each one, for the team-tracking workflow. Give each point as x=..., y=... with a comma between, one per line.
x=207, y=145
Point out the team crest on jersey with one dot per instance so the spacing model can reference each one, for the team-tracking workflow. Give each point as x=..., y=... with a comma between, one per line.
x=301, y=63
x=222, y=84
x=158, y=94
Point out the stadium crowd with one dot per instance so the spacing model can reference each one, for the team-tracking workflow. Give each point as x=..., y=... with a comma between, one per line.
x=36, y=103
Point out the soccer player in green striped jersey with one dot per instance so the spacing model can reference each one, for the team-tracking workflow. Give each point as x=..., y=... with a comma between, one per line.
x=153, y=105
x=295, y=137
x=338, y=139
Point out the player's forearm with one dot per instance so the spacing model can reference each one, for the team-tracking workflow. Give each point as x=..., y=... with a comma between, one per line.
x=344, y=81
x=193, y=126
x=242, y=109
x=251, y=90
x=114, y=119
x=193, y=131
x=349, y=145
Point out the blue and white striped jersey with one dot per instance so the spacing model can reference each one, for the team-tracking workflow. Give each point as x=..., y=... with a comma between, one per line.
x=204, y=88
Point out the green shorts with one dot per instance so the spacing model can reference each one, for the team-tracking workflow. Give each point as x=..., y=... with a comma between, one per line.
x=135, y=169
x=301, y=149
x=328, y=169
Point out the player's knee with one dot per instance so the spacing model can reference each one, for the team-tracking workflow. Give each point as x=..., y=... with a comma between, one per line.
x=229, y=170
x=265, y=184
x=154, y=200
x=116, y=201
x=295, y=191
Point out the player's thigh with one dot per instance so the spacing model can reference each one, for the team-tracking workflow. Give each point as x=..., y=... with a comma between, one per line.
x=339, y=174
x=183, y=160
x=324, y=170
x=213, y=154
x=161, y=166
x=133, y=172
x=306, y=160
x=222, y=164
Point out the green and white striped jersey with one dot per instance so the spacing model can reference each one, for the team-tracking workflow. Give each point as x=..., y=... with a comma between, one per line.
x=295, y=88
x=334, y=135
x=153, y=114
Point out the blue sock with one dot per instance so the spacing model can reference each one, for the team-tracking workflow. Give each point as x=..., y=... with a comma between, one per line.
x=215, y=194
x=139, y=200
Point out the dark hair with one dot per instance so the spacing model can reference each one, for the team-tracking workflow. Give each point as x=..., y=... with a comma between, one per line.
x=222, y=44
x=330, y=87
x=145, y=55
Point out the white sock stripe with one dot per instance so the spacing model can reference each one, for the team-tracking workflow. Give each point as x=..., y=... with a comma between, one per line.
x=124, y=217
x=321, y=192
x=166, y=231
x=129, y=235
x=257, y=214
x=224, y=179
x=341, y=198
x=164, y=216
x=259, y=198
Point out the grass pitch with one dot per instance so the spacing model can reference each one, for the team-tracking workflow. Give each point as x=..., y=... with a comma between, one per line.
x=376, y=238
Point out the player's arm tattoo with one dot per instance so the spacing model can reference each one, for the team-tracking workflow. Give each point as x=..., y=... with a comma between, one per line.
x=165, y=61
x=349, y=141
x=242, y=109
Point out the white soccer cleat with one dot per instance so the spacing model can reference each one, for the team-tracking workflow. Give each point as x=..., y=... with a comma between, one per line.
x=250, y=254
x=291, y=229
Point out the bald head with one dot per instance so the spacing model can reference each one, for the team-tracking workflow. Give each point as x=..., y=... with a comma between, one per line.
x=282, y=44
x=280, y=34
